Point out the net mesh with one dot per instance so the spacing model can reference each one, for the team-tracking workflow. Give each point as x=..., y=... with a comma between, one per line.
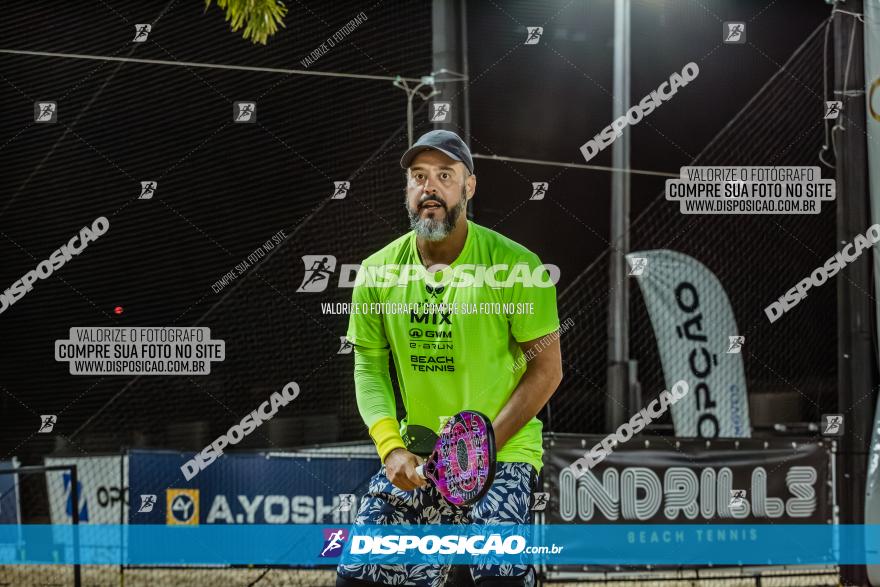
x=757, y=258
x=294, y=156
x=223, y=190
x=220, y=185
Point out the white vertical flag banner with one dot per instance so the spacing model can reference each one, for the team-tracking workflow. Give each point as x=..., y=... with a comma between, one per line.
x=698, y=341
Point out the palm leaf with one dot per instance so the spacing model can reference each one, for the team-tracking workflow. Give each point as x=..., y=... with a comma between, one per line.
x=260, y=18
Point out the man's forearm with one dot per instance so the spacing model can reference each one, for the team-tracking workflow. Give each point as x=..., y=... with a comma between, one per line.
x=375, y=399
x=531, y=394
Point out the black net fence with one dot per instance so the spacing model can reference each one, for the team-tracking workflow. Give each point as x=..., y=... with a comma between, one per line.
x=201, y=251
x=790, y=365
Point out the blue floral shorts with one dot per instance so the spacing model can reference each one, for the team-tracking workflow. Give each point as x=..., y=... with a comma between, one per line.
x=508, y=501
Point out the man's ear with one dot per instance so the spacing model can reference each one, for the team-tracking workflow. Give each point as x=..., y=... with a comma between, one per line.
x=471, y=185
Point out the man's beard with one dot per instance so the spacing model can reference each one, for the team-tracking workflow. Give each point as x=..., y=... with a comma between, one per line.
x=431, y=229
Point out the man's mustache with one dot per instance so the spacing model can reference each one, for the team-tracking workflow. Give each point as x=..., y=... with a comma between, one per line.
x=432, y=199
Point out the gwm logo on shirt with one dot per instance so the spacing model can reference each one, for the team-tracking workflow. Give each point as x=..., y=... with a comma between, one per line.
x=426, y=339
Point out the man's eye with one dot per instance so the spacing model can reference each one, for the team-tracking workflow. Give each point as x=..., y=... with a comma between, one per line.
x=445, y=175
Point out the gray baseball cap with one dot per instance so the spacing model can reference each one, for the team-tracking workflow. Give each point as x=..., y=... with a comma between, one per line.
x=444, y=141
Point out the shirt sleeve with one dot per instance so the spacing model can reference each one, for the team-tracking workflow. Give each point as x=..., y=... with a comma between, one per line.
x=372, y=380
x=528, y=322
x=375, y=399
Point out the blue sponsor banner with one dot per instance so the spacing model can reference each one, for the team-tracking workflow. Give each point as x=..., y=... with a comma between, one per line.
x=247, y=488
x=582, y=544
x=9, y=513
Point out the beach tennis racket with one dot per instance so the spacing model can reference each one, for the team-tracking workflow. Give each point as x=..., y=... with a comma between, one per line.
x=462, y=465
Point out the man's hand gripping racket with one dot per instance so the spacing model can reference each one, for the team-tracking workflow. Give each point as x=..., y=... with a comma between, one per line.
x=462, y=466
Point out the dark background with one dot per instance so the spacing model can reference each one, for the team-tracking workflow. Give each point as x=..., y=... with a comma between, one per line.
x=226, y=188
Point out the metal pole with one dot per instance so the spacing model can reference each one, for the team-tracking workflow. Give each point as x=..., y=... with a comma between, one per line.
x=447, y=20
x=466, y=99
x=450, y=54
x=617, y=404
x=409, y=120
x=426, y=81
x=74, y=499
x=465, y=70
x=123, y=551
x=854, y=309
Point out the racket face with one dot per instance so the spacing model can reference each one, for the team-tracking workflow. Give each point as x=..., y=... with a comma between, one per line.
x=464, y=458
x=420, y=440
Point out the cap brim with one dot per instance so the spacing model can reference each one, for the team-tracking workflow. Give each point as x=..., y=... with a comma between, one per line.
x=411, y=153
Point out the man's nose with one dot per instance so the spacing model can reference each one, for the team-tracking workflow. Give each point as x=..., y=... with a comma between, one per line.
x=429, y=188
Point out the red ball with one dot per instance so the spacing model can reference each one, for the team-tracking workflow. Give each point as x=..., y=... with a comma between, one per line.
x=118, y=309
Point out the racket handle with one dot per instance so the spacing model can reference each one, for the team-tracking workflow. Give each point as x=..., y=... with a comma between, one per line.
x=420, y=471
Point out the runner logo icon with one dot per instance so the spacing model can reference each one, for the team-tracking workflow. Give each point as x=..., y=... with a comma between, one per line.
x=319, y=268
x=334, y=539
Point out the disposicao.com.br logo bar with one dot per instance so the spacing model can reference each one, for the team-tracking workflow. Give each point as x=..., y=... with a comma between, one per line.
x=312, y=544
x=479, y=544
